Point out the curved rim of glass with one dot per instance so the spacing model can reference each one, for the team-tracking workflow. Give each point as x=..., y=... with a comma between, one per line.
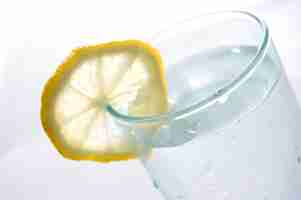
x=225, y=90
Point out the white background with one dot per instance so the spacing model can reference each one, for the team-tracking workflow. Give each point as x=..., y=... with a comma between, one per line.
x=36, y=35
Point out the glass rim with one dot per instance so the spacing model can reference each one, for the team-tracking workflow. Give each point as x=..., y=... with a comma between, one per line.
x=220, y=93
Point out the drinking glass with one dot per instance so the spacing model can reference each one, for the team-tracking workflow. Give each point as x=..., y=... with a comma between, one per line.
x=232, y=130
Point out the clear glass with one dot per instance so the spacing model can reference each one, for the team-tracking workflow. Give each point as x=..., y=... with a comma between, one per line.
x=232, y=131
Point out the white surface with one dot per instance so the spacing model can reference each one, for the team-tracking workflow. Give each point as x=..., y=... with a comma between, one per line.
x=37, y=35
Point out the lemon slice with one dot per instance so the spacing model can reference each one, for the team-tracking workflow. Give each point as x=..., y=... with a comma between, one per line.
x=128, y=75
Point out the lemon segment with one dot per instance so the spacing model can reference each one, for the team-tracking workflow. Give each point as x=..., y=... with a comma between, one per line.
x=128, y=75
